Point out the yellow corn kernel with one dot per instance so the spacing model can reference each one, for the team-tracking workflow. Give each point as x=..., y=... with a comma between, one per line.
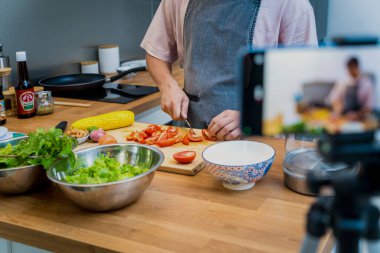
x=106, y=121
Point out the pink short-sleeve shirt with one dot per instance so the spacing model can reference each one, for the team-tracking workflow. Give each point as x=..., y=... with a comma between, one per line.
x=285, y=22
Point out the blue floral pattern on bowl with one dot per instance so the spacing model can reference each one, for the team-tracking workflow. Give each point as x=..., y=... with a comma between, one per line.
x=240, y=175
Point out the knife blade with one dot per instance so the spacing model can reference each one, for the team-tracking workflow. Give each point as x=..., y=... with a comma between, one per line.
x=62, y=125
x=188, y=124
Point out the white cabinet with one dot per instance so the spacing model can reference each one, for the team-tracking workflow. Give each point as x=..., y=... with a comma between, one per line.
x=4, y=246
x=153, y=116
x=21, y=248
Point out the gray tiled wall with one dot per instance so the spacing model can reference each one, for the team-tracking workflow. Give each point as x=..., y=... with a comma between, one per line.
x=57, y=34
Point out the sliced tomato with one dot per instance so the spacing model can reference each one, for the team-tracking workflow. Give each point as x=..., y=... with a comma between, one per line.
x=152, y=129
x=193, y=137
x=172, y=131
x=178, y=138
x=131, y=136
x=185, y=140
x=185, y=156
x=163, y=136
x=107, y=139
x=143, y=134
x=166, y=142
x=140, y=137
x=158, y=133
x=207, y=136
x=152, y=140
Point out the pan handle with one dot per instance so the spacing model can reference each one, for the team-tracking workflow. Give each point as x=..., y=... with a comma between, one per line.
x=124, y=73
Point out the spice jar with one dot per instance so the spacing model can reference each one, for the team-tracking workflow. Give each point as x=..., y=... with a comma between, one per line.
x=44, y=103
x=5, y=76
x=10, y=102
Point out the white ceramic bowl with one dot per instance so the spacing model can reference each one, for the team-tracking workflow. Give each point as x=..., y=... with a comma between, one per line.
x=238, y=164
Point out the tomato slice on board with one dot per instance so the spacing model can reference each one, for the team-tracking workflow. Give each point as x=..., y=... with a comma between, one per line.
x=178, y=138
x=207, y=136
x=149, y=130
x=172, y=131
x=163, y=136
x=193, y=137
x=185, y=156
x=152, y=140
x=107, y=139
x=144, y=135
x=131, y=136
x=166, y=142
x=158, y=133
x=140, y=137
x=185, y=140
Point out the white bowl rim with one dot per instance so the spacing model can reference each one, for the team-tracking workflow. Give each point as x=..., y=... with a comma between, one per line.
x=235, y=166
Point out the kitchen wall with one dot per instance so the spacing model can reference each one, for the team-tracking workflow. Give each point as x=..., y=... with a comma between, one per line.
x=353, y=17
x=57, y=34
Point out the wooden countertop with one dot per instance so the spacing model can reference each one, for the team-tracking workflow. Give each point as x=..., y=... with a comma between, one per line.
x=176, y=214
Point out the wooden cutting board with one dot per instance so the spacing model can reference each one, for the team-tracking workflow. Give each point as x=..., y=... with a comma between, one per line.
x=169, y=164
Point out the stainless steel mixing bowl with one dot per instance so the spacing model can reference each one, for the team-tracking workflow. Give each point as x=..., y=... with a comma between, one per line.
x=114, y=195
x=19, y=180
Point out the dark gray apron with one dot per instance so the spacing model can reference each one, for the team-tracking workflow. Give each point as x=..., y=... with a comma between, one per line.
x=214, y=32
x=351, y=101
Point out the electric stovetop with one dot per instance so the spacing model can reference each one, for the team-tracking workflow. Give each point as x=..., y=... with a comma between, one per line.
x=113, y=93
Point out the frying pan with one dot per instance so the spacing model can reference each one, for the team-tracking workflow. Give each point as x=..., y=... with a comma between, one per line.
x=81, y=82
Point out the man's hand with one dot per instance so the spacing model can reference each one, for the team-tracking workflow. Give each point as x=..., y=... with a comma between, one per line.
x=226, y=126
x=174, y=102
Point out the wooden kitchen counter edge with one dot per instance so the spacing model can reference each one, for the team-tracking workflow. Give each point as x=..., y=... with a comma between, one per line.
x=176, y=214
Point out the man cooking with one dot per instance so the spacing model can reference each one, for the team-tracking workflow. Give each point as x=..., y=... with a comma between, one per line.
x=354, y=98
x=206, y=36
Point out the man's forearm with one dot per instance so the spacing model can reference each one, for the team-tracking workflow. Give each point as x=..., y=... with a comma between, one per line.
x=161, y=71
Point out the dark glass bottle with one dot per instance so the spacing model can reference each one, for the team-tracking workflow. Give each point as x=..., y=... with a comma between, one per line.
x=24, y=90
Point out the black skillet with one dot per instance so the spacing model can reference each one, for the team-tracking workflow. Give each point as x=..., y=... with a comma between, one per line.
x=81, y=82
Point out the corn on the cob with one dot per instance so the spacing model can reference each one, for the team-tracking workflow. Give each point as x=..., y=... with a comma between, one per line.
x=106, y=121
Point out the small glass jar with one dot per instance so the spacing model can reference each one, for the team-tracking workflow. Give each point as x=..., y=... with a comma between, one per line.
x=44, y=103
x=5, y=78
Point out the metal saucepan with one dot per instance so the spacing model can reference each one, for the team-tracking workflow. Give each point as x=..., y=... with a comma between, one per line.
x=81, y=82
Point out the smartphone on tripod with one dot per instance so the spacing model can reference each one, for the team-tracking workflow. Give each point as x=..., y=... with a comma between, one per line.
x=332, y=92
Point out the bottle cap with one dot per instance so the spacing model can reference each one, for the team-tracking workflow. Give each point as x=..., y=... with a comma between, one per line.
x=21, y=56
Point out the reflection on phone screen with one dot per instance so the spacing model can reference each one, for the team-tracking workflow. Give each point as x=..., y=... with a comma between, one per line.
x=308, y=90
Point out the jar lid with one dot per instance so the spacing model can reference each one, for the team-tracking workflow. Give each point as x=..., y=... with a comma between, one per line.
x=88, y=62
x=108, y=46
x=5, y=71
x=43, y=94
x=38, y=88
x=8, y=92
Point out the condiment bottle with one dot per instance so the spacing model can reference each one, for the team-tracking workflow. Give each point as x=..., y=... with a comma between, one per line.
x=24, y=89
x=3, y=118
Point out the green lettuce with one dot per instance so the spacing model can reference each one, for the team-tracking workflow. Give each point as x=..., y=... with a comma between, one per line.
x=105, y=169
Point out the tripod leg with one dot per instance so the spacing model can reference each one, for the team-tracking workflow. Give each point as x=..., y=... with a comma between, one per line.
x=310, y=244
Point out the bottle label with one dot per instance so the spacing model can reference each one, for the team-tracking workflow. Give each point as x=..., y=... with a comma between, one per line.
x=2, y=109
x=25, y=101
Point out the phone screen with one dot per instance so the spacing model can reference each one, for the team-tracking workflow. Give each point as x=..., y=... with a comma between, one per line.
x=311, y=90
